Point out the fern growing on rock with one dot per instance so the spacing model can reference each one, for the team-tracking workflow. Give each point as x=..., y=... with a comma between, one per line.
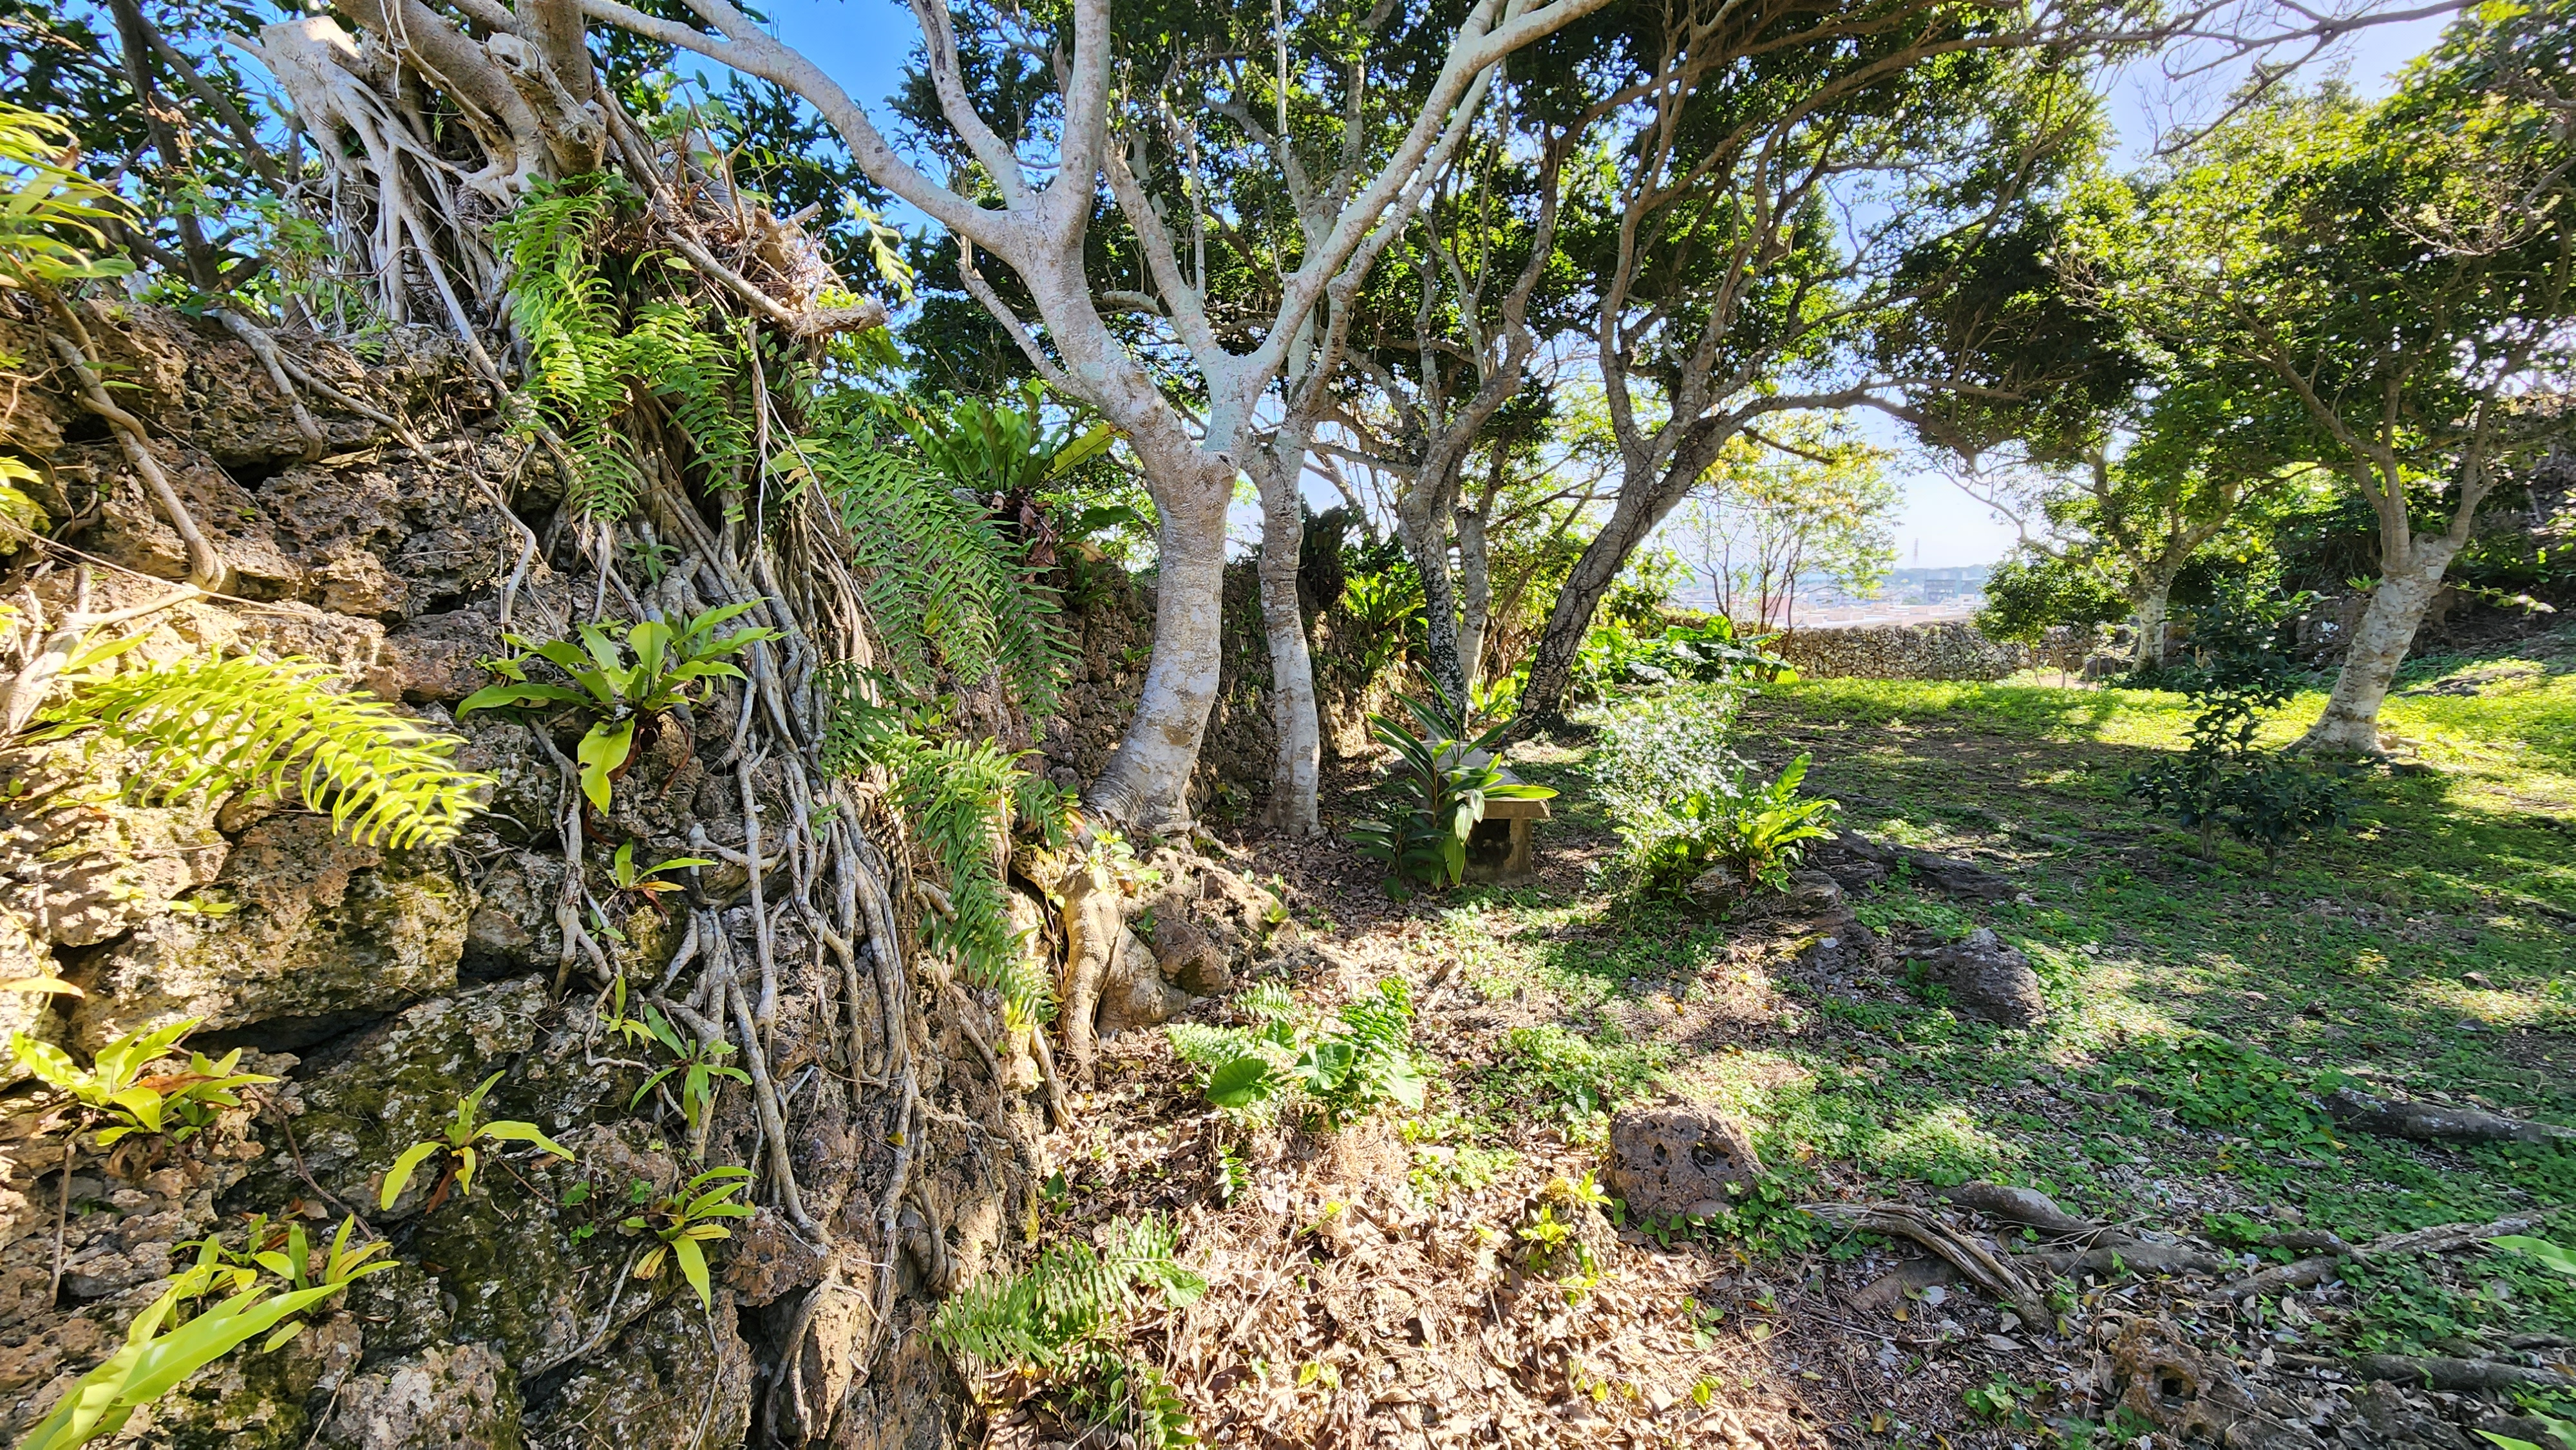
x=959, y=798
x=945, y=585
x=254, y=725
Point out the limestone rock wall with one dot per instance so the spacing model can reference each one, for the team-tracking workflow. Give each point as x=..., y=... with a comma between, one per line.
x=381, y=985
x=1946, y=650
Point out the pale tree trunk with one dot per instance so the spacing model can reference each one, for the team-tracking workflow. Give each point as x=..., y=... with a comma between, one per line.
x=1476, y=594
x=1147, y=780
x=1278, y=466
x=2410, y=574
x=2350, y=724
x=2153, y=603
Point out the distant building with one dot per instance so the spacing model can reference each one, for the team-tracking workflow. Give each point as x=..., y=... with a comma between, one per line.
x=1935, y=586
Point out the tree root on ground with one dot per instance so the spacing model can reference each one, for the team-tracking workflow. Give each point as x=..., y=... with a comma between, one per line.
x=2436, y=1122
x=2316, y=1269
x=1985, y=1267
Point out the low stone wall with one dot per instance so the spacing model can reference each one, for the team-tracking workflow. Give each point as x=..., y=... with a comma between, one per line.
x=1946, y=650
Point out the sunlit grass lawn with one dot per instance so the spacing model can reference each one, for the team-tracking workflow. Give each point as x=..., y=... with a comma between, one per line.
x=2197, y=1008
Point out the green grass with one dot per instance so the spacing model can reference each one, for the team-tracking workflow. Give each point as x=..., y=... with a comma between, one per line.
x=2197, y=1009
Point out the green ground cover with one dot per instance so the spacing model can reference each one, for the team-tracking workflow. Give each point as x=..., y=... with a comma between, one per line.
x=2198, y=1009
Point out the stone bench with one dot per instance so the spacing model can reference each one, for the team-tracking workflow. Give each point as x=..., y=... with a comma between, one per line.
x=1502, y=849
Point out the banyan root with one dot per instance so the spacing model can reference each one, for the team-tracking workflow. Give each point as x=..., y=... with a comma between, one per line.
x=205, y=567
x=1987, y=1269
x=265, y=349
x=2317, y=1268
x=2436, y=1122
x=2131, y=1256
x=2033, y=1209
x=2440, y=1372
x=1092, y=923
x=889, y=1210
x=2106, y=1248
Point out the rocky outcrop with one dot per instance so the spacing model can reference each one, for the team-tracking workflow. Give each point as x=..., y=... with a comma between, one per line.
x=1854, y=861
x=1988, y=979
x=319, y=935
x=464, y=1397
x=1723, y=891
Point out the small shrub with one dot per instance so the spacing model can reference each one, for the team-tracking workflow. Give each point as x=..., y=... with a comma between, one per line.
x=1757, y=830
x=684, y=1223
x=618, y=682
x=2240, y=673
x=699, y=1063
x=1616, y=655
x=270, y=1282
x=115, y=1087
x=1665, y=745
x=1998, y=1399
x=468, y=1137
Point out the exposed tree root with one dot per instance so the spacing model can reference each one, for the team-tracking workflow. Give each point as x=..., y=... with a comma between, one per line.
x=1985, y=1267
x=206, y=568
x=265, y=349
x=2436, y=1122
x=2316, y=1269
x=29, y=688
x=2441, y=1372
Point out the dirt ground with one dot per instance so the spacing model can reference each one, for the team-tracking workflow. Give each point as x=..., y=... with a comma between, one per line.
x=1378, y=1286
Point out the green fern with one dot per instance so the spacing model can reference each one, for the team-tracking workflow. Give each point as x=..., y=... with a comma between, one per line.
x=1059, y=1324
x=1202, y=1045
x=249, y=724
x=945, y=586
x=1058, y=1320
x=697, y=373
x=960, y=798
x=955, y=794
x=587, y=359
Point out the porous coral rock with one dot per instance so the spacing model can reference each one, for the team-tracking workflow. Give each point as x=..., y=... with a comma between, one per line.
x=300, y=958
x=1678, y=1159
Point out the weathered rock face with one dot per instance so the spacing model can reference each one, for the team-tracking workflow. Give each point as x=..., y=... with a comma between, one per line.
x=1991, y=980
x=326, y=934
x=1854, y=861
x=1671, y=1160
x=399, y=980
x=463, y=1396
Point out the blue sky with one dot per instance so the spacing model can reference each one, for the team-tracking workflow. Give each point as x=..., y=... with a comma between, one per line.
x=863, y=44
